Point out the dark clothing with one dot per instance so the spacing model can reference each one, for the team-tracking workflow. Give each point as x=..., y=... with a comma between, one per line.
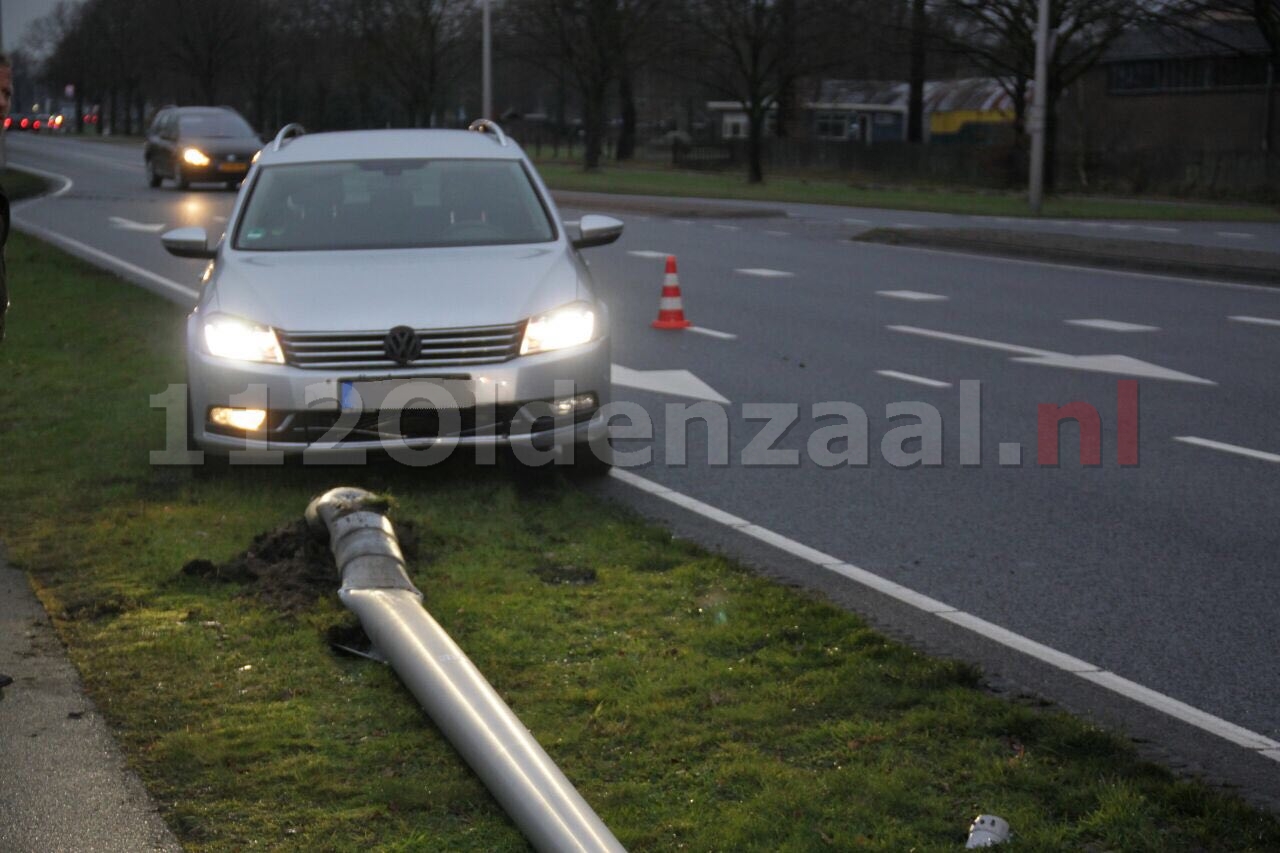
x=4, y=238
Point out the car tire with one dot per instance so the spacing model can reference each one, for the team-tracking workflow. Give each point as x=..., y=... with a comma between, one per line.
x=179, y=178
x=153, y=177
x=233, y=185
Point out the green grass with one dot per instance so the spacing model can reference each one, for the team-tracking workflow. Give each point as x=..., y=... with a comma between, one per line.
x=696, y=705
x=19, y=185
x=651, y=180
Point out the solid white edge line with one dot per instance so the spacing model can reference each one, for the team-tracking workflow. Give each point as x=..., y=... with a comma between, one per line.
x=919, y=380
x=1180, y=710
x=1228, y=448
x=67, y=184
x=90, y=253
x=712, y=333
x=1234, y=285
x=1257, y=321
x=1059, y=660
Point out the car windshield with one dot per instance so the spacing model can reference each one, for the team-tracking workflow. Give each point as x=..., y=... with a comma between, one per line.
x=392, y=204
x=214, y=125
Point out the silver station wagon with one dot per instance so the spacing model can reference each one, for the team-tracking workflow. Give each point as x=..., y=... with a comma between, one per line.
x=407, y=291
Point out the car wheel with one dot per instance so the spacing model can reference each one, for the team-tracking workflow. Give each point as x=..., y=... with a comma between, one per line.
x=233, y=185
x=153, y=177
x=179, y=178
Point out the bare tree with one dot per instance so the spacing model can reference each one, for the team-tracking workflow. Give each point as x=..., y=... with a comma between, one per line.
x=999, y=36
x=202, y=39
x=412, y=46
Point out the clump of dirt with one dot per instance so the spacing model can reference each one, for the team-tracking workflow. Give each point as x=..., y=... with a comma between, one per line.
x=553, y=573
x=289, y=568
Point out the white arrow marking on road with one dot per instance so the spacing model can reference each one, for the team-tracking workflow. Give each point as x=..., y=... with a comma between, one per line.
x=677, y=383
x=1228, y=448
x=912, y=295
x=1118, y=364
x=1113, y=326
x=1236, y=235
x=1257, y=321
x=766, y=273
x=130, y=225
x=647, y=253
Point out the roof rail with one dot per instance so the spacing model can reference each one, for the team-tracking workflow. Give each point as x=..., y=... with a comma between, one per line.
x=484, y=125
x=289, y=131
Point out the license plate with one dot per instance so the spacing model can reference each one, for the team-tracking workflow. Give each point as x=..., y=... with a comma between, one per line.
x=233, y=167
x=397, y=394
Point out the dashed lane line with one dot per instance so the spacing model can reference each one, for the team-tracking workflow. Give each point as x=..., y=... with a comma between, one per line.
x=918, y=380
x=1228, y=448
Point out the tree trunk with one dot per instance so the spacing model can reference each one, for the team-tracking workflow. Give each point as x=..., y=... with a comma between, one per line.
x=593, y=120
x=755, y=145
x=916, y=76
x=1051, y=140
x=627, y=134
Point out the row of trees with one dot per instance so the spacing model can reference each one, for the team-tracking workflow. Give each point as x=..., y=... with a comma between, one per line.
x=369, y=63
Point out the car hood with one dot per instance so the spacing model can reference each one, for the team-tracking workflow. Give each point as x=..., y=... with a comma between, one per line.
x=222, y=145
x=380, y=289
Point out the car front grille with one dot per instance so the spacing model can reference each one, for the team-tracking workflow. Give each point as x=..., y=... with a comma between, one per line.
x=439, y=348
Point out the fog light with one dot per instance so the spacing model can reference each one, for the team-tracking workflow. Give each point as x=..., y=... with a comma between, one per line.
x=568, y=405
x=247, y=420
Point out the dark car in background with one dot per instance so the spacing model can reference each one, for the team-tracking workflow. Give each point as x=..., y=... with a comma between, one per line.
x=199, y=145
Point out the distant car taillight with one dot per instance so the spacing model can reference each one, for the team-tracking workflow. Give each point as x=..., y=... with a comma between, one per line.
x=26, y=122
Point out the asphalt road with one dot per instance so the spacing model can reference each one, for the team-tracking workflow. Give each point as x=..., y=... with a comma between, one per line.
x=1161, y=573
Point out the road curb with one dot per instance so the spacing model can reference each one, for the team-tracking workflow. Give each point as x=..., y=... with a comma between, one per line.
x=1246, y=266
x=674, y=206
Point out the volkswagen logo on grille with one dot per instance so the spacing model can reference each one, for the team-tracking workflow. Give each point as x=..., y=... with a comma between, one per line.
x=402, y=345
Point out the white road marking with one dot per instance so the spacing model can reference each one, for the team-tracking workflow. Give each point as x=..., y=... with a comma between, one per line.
x=909, y=226
x=1089, y=224
x=88, y=252
x=712, y=333
x=1236, y=235
x=1059, y=660
x=677, y=383
x=1092, y=271
x=1161, y=229
x=766, y=273
x=1113, y=325
x=726, y=227
x=919, y=380
x=573, y=223
x=1257, y=321
x=1228, y=448
x=965, y=339
x=1119, y=226
x=129, y=225
x=67, y=184
x=1120, y=365
x=912, y=295
x=1117, y=364
x=858, y=222
x=778, y=233
x=648, y=253
x=683, y=221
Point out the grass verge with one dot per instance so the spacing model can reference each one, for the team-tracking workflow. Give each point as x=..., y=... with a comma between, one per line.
x=696, y=705
x=639, y=180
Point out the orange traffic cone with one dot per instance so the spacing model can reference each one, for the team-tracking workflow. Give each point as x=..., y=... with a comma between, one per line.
x=670, y=308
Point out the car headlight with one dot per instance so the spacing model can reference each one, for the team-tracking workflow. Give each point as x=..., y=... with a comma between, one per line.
x=567, y=326
x=231, y=337
x=195, y=157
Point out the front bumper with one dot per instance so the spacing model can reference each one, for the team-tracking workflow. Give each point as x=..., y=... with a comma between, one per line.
x=492, y=405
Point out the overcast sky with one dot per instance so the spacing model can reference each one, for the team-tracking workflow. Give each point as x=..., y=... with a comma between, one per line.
x=18, y=14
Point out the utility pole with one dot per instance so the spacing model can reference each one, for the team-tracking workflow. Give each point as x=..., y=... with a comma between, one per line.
x=486, y=105
x=1039, y=111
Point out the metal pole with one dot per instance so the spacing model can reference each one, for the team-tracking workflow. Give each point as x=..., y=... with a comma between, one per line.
x=1039, y=113
x=486, y=107
x=521, y=776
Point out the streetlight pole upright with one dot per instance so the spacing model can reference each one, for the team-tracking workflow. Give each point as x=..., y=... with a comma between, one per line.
x=486, y=105
x=1039, y=109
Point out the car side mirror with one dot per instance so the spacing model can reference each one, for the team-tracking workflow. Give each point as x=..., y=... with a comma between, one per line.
x=596, y=230
x=188, y=243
